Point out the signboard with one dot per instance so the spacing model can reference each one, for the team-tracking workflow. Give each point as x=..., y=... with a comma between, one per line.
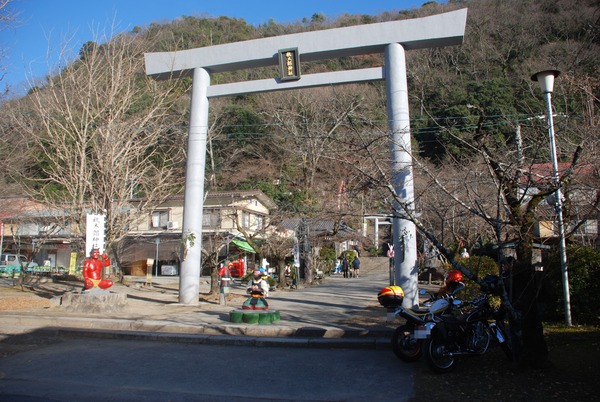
x=73, y=264
x=289, y=64
x=296, y=252
x=94, y=233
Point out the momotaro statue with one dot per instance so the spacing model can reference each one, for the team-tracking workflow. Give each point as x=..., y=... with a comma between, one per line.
x=258, y=288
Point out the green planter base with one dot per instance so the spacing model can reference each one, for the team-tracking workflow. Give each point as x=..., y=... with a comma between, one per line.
x=261, y=317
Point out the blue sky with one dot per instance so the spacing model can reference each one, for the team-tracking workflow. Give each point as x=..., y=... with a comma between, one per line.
x=44, y=25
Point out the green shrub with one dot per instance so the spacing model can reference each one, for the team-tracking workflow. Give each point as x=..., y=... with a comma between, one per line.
x=480, y=266
x=374, y=251
x=351, y=254
x=584, y=285
x=327, y=253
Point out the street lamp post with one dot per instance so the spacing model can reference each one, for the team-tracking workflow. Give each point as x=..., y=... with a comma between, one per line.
x=546, y=81
x=157, y=241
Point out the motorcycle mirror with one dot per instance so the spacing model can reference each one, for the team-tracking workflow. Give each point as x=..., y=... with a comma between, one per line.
x=460, y=287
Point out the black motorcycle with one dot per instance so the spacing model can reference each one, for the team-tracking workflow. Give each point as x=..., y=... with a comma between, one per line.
x=407, y=340
x=469, y=334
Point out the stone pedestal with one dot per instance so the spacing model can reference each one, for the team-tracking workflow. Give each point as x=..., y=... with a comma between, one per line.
x=92, y=301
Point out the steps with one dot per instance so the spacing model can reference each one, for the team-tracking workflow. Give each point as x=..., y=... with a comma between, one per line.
x=374, y=264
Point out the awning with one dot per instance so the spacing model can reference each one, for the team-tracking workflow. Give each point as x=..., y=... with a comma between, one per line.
x=242, y=245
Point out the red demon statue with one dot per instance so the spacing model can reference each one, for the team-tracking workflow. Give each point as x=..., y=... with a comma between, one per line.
x=92, y=271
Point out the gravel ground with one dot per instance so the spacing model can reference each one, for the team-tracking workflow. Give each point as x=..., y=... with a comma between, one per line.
x=13, y=298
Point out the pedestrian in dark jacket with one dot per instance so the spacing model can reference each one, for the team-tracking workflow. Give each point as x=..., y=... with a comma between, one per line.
x=356, y=266
x=345, y=267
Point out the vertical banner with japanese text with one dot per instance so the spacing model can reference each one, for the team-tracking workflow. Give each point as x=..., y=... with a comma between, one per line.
x=94, y=233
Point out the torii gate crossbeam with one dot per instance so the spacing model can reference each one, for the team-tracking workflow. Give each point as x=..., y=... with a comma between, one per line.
x=391, y=38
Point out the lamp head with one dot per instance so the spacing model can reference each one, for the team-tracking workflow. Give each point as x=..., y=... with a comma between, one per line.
x=546, y=79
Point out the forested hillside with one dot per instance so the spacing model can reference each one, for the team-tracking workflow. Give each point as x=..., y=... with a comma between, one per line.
x=102, y=130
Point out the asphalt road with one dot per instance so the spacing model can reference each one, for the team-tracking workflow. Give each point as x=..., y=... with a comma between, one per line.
x=124, y=370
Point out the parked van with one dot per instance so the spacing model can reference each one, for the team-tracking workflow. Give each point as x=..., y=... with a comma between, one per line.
x=12, y=263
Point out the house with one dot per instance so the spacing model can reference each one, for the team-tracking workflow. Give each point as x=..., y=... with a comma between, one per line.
x=40, y=233
x=227, y=216
x=44, y=234
x=580, y=193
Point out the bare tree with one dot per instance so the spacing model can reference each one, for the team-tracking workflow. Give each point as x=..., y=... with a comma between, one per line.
x=310, y=124
x=99, y=129
x=11, y=140
x=7, y=19
x=211, y=247
x=494, y=189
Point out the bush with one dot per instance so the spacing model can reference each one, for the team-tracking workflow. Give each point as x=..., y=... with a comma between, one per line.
x=584, y=285
x=374, y=251
x=327, y=253
x=351, y=254
x=480, y=266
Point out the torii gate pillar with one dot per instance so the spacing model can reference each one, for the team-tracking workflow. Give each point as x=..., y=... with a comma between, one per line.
x=189, y=284
x=404, y=231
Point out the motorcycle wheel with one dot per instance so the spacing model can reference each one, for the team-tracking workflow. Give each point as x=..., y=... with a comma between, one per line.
x=436, y=354
x=404, y=344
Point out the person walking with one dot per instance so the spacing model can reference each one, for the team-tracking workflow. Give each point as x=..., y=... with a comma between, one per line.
x=345, y=267
x=356, y=266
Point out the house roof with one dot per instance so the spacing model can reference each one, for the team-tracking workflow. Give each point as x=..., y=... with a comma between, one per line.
x=541, y=174
x=220, y=198
x=317, y=226
x=24, y=207
x=228, y=197
x=13, y=208
x=547, y=212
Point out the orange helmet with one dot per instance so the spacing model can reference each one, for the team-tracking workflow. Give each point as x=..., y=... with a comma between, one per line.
x=453, y=276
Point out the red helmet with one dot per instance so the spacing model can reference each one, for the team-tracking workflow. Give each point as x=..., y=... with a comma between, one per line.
x=453, y=276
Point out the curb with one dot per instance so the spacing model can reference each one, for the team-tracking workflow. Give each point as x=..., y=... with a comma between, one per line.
x=234, y=334
x=229, y=340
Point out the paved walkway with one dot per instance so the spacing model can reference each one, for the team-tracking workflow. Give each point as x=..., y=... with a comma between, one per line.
x=338, y=312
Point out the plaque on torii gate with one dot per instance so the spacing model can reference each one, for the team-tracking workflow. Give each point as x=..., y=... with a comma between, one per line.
x=391, y=38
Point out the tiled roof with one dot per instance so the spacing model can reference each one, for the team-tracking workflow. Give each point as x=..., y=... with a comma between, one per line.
x=227, y=197
x=317, y=226
x=19, y=207
x=541, y=174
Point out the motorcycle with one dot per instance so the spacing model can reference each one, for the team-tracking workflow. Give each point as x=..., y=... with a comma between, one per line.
x=469, y=334
x=407, y=340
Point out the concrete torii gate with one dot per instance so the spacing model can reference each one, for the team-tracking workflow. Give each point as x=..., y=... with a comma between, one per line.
x=391, y=38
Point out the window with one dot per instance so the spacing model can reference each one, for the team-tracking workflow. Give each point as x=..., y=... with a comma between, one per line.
x=260, y=222
x=8, y=259
x=211, y=218
x=591, y=226
x=159, y=219
x=245, y=220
